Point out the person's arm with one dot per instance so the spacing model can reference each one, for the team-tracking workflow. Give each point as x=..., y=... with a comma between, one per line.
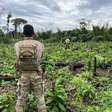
x=42, y=53
x=40, y=50
x=17, y=50
x=17, y=57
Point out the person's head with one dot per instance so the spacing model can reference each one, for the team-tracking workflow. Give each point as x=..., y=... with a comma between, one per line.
x=28, y=31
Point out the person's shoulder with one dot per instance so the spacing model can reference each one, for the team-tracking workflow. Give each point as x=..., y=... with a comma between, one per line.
x=18, y=43
x=38, y=42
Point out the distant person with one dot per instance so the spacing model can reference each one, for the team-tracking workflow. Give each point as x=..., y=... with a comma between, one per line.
x=67, y=43
x=29, y=53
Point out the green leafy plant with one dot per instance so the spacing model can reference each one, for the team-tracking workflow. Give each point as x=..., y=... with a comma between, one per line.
x=56, y=99
x=7, y=102
x=31, y=103
x=84, y=90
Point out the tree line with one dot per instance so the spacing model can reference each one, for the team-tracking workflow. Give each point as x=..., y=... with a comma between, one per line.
x=98, y=33
x=81, y=34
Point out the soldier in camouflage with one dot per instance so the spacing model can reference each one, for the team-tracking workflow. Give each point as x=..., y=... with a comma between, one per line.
x=67, y=43
x=28, y=78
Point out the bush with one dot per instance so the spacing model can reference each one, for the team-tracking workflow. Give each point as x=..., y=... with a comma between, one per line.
x=5, y=39
x=7, y=102
x=56, y=99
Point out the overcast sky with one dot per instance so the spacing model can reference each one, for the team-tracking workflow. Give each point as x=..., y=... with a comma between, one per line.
x=63, y=14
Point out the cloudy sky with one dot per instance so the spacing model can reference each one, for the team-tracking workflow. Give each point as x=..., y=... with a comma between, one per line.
x=52, y=14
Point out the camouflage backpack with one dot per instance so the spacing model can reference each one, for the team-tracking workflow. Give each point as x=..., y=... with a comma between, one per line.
x=28, y=58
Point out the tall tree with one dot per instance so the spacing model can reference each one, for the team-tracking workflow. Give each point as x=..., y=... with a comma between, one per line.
x=8, y=21
x=83, y=23
x=17, y=22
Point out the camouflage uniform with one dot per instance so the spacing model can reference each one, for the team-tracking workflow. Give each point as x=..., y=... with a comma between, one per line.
x=67, y=43
x=28, y=78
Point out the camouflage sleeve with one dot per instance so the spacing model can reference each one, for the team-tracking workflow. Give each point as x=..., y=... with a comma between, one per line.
x=17, y=50
x=40, y=50
x=17, y=56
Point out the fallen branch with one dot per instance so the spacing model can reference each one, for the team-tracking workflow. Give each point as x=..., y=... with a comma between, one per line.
x=74, y=65
x=62, y=64
x=6, y=77
x=77, y=65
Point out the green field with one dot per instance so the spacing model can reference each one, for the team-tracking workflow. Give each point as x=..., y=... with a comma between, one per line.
x=67, y=88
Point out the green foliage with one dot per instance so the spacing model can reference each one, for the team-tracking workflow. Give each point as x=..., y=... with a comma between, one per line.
x=8, y=69
x=44, y=35
x=7, y=102
x=5, y=39
x=102, y=62
x=81, y=35
x=56, y=99
x=7, y=59
x=104, y=100
x=83, y=87
x=1, y=33
x=81, y=92
x=31, y=103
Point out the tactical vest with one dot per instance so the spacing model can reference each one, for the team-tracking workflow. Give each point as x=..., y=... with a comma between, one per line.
x=28, y=57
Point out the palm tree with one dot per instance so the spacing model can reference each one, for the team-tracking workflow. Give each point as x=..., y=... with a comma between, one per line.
x=100, y=33
x=17, y=22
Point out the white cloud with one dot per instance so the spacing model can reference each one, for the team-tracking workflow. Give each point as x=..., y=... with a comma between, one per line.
x=52, y=14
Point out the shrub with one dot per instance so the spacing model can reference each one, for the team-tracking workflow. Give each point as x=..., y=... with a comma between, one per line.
x=7, y=102
x=56, y=99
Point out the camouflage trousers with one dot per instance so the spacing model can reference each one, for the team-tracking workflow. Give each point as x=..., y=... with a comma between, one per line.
x=66, y=45
x=28, y=78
